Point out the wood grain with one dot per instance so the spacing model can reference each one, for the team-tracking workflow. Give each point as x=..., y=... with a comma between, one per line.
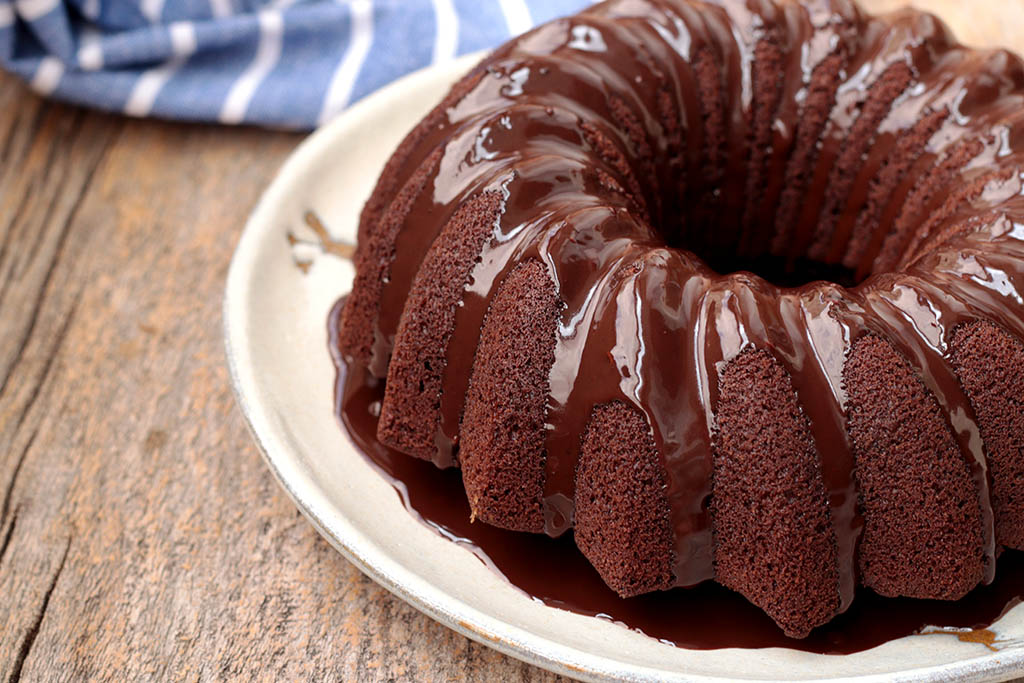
x=141, y=536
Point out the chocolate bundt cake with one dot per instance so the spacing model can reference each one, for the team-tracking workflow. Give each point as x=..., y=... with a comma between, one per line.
x=733, y=289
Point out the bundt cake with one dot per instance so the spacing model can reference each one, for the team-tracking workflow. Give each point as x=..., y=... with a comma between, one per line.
x=733, y=289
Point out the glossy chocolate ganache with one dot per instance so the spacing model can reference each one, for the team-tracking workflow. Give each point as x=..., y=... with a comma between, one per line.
x=554, y=571
x=731, y=289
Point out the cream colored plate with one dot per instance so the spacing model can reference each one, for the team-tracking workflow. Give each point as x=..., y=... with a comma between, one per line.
x=275, y=328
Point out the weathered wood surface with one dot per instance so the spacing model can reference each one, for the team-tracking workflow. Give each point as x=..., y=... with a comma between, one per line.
x=141, y=535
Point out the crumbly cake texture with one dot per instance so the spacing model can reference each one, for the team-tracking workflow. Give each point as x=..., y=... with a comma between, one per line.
x=553, y=278
x=922, y=525
x=502, y=449
x=775, y=541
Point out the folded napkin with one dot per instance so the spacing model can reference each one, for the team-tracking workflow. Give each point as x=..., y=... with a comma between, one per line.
x=285, y=63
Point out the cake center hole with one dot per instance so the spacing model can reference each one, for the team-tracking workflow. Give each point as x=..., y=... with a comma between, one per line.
x=717, y=236
x=780, y=270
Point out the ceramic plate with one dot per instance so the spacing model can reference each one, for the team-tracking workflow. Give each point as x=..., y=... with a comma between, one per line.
x=285, y=276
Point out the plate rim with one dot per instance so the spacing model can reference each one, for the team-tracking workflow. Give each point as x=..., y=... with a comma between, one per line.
x=361, y=551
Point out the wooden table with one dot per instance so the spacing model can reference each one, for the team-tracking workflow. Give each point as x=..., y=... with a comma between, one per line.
x=140, y=533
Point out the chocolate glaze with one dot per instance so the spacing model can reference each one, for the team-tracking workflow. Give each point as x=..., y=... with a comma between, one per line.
x=566, y=580
x=634, y=293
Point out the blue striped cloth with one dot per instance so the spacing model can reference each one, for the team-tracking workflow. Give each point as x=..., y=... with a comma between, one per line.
x=282, y=63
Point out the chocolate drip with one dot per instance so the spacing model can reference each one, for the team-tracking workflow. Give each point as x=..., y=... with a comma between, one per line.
x=884, y=152
x=703, y=617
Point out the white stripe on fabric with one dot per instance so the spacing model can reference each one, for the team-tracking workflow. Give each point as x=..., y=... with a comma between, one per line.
x=360, y=39
x=91, y=9
x=152, y=10
x=267, y=55
x=183, y=38
x=446, y=42
x=90, y=49
x=48, y=75
x=6, y=14
x=517, y=16
x=30, y=10
x=183, y=45
x=221, y=8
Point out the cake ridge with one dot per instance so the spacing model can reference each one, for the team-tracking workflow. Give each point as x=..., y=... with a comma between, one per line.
x=893, y=49
x=631, y=546
x=496, y=262
x=976, y=348
x=921, y=535
x=582, y=345
x=549, y=174
x=502, y=452
x=771, y=522
x=926, y=358
x=765, y=319
x=892, y=83
x=918, y=118
x=522, y=241
x=936, y=179
x=858, y=233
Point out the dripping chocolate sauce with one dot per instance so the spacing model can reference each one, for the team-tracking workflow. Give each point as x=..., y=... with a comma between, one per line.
x=704, y=617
